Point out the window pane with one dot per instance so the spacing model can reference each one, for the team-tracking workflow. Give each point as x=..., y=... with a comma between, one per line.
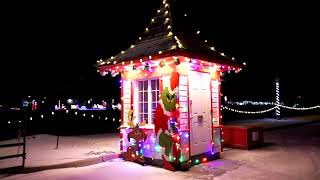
x=158, y=96
x=140, y=97
x=140, y=117
x=152, y=120
x=145, y=109
x=145, y=85
x=154, y=106
x=140, y=85
x=154, y=96
x=146, y=117
x=153, y=84
x=140, y=106
x=145, y=98
x=157, y=84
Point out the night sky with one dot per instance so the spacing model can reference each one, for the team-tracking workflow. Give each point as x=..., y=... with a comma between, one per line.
x=51, y=48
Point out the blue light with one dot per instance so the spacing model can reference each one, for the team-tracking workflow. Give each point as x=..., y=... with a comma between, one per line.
x=187, y=135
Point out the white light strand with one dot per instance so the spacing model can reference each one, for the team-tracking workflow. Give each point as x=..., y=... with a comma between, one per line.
x=248, y=112
x=244, y=103
x=301, y=109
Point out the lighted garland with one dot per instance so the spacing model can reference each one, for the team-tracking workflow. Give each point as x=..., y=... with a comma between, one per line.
x=270, y=109
x=248, y=112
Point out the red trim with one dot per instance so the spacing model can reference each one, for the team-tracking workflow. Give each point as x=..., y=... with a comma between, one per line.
x=219, y=98
x=188, y=100
x=121, y=139
x=221, y=135
x=122, y=103
x=131, y=95
x=122, y=113
x=211, y=112
x=223, y=60
x=178, y=120
x=219, y=104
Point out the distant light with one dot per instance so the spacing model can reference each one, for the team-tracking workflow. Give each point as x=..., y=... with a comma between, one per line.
x=69, y=101
x=198, y=32
x=244, y=63
x=212, y=48
x=42, y=116
x=205, y=40
x=185, y=15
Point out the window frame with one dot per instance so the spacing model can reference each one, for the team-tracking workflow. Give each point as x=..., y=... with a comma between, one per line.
x=150, y=102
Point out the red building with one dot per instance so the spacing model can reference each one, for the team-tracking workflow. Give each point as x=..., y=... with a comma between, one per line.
x=170, y=94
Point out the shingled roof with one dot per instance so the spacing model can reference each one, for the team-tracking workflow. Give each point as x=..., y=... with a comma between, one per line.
x=167, y=35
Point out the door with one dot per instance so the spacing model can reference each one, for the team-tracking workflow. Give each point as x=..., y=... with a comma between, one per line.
x=200, y=130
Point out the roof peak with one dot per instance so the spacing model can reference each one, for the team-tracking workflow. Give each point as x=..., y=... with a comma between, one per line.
x=161, y=35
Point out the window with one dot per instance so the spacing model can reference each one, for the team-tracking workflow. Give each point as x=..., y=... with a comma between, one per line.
x=148, y=98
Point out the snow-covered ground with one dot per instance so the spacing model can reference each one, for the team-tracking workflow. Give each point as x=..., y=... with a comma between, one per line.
x=41, y=149
x=293, y=154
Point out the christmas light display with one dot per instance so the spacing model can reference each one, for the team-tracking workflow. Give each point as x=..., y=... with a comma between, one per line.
x=158, y=120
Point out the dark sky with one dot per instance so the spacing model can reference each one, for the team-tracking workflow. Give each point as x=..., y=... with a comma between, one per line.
x=50, y=48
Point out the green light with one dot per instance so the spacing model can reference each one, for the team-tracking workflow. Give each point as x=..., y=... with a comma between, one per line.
x=181, y=159
x=158, y=148
x=196, y=161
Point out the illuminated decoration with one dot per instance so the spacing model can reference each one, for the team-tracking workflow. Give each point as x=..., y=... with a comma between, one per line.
x=135, y=151
x=249, y=112
x=157, y=80
x=277, y=98
x=176, y=60
x=161, y=64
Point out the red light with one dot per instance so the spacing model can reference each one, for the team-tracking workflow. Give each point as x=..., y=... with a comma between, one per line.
x=132, y=155
x=204, y=159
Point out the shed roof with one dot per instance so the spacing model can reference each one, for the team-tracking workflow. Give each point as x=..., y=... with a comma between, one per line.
x=169, y=35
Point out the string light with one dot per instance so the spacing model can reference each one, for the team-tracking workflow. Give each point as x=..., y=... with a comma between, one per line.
x=249, y=112
x=301, y=109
